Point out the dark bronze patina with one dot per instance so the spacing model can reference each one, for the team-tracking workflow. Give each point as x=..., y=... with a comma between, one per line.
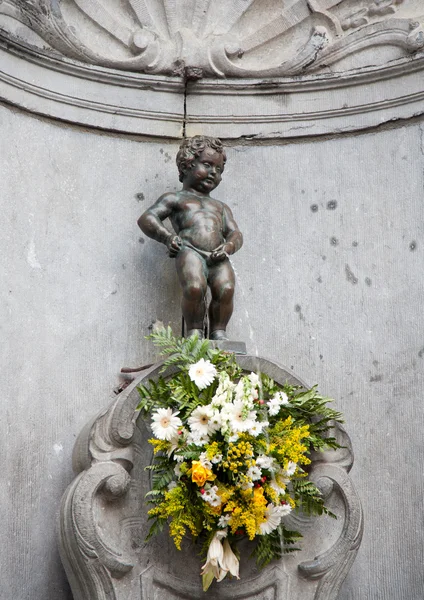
x=205, y=235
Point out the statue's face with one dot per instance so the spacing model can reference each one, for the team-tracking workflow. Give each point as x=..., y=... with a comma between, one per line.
x=204, y=173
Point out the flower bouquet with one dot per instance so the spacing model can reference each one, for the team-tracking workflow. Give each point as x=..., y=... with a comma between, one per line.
x=231, y=452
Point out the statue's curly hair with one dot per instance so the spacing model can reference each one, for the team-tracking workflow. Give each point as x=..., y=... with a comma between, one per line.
x=192, y=148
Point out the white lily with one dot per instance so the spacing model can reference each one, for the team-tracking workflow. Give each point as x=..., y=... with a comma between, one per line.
x=230, y=562
x=214, y=560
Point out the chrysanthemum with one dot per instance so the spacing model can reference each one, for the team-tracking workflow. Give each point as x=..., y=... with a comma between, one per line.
x=202, y=373
x=165, y=424
x=200, y=420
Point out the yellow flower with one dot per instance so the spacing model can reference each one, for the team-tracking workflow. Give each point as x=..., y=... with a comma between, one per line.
x=200, y=474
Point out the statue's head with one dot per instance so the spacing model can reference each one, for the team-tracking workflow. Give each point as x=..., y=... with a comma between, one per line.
x=191, y=149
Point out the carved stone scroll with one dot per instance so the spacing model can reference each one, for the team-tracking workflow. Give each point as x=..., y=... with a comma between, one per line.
x=221, y=38
x=103, y=520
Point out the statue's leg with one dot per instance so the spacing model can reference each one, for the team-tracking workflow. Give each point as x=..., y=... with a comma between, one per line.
x=192, y=273
x=221, y=281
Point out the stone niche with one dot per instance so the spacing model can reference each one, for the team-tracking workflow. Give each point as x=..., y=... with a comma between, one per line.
x=103, y=520
x=258, y=74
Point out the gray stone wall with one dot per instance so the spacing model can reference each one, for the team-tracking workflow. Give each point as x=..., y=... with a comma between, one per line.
x=329, y=285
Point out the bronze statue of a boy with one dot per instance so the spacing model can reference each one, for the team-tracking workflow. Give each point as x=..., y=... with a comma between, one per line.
x=205, y=235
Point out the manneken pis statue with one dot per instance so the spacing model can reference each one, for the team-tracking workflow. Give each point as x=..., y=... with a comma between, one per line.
x=205, y=235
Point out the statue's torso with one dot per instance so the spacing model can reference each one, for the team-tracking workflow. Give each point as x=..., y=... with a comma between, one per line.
x=199, y=221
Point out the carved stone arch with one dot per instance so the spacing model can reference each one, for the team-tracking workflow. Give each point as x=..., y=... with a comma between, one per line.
x=227, y=68
x=103, y=519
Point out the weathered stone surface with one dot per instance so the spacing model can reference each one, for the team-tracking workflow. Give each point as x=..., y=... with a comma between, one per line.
x=103, y=520
x=246, y=105
x=344, y=287
x=241, y=38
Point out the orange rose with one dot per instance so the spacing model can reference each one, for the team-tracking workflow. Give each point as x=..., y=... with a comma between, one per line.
x=200, y=474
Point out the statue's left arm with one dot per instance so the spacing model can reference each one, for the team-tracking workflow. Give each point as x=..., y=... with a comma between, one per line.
x=232, y=234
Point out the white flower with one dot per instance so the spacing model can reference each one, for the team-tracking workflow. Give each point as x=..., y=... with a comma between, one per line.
x=212, y=497
x=204, y=461
x=202, y=373
x=276, y=403
x=219, y=561
x=285, y=509
x=278, y=483
x=215, y=422
x=240, y=420
x=215, y=556
x=199, y=420
x=229, y=563
x=258, y=427
x=254, y=379
x=172, y=485
x=177, y=470
x=273, y=516
x=224, y=520
x=197, y=438
x=254, y=473
x=165, y=424
x=224, y=391
x=214, y=560
x=216, y=459
x=247, y=485
x=291, y=468
x=265, y=462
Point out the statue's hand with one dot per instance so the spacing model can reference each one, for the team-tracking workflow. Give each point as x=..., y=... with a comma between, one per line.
x=219, y=254
x=174, y=245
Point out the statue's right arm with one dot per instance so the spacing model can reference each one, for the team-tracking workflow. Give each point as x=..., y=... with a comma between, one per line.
x=150, y=221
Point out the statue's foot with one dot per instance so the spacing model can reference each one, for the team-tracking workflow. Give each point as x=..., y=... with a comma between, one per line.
x=219, y=335
x=198, y=332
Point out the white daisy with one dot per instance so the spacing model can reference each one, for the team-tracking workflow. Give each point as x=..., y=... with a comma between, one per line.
x=212, y=497
x=265, y=462
x=216, y=459
x=285, y=509
x=273, y=516
x=197, y=438
x=284, y=399
x=165, y=424
x=277, y=487
x=202, y=373
x=199, y=420
x=279, y=481
x=204, y=461
x=291, y=468
x=224, y=520
x=240, y=421
x=258, y=427
x=254, y=473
